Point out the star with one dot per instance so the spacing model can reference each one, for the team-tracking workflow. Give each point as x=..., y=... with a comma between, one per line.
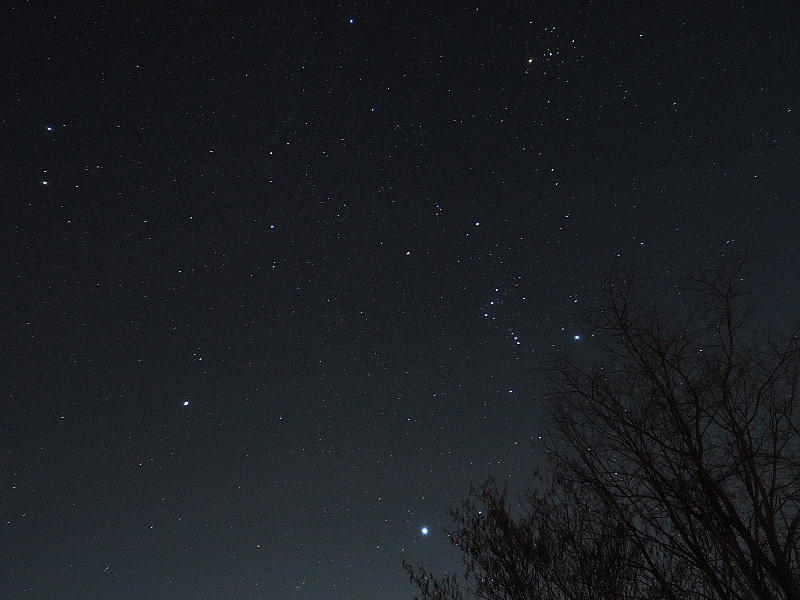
x=424, y=531
x=186, y=403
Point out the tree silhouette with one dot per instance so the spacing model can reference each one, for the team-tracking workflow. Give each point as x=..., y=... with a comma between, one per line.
x=674, y=464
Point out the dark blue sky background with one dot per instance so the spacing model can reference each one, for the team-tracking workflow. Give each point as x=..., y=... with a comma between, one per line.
x=276, y=283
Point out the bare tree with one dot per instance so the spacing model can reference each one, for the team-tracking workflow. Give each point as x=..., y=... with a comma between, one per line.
x=690, y=430
x=675, y=465
x=554, y=543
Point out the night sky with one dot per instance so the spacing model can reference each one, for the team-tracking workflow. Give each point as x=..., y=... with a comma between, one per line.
x=278, y=284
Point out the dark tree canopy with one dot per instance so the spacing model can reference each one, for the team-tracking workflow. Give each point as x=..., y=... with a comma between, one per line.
x=674, y=464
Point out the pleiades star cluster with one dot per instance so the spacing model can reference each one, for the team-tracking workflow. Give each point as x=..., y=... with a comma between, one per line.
x=279, y=282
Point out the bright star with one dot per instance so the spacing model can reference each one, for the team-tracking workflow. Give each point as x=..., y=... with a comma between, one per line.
x=186, y=403
x=424, y=531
